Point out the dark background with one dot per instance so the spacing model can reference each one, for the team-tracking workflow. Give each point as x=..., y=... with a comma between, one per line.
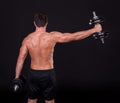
x=87, y=71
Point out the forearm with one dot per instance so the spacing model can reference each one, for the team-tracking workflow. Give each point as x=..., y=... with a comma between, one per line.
x=19, y=67
x=83, y=34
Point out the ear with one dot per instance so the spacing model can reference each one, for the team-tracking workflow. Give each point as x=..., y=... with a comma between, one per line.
x=34, y=24
x=46, y=24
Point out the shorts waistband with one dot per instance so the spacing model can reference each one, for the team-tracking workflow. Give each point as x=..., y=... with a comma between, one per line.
x=35, y=70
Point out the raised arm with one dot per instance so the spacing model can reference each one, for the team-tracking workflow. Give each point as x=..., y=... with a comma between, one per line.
x=20, y=61
x=68, y=37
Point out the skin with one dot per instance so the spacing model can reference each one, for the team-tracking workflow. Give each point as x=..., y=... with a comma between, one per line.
x=40, y=45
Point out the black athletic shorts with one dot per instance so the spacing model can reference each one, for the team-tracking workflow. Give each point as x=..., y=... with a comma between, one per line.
x=42, y=83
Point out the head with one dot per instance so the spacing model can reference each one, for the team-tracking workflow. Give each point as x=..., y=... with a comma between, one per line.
x=40, y=20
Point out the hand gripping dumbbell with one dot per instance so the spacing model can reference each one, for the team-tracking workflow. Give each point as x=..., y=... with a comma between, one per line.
x=100, y=35
x=18, y=84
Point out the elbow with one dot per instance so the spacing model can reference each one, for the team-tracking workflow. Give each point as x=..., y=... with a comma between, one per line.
x=21, y=59
x=75, y=37
x=79, y=36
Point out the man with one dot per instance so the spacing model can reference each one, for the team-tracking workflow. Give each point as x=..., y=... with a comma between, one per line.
x=40, y=45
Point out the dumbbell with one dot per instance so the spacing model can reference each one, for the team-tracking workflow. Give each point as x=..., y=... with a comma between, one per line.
x=18, y=84
x=100, y=35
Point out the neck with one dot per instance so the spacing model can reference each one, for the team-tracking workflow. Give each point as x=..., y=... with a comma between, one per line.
x=41, y=29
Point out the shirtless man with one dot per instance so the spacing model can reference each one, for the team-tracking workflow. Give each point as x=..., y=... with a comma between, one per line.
x=40, y=45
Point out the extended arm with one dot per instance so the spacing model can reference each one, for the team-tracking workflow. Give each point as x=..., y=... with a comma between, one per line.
x=20, y=61
x=67, y=37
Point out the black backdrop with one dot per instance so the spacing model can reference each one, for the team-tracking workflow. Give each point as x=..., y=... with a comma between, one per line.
x=86, y=67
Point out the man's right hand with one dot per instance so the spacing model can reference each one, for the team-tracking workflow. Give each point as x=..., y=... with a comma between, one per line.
x=98, y=27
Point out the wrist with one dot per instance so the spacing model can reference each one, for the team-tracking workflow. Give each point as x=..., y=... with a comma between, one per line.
x=94, y=30
x=17, y=76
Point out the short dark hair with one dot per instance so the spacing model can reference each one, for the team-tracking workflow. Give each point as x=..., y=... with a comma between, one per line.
x=40, y=19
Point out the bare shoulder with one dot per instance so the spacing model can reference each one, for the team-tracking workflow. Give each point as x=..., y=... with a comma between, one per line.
x=27, y=39
x=56, y=34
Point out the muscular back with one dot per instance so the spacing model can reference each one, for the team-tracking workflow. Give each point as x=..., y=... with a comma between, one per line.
x=41, y=48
